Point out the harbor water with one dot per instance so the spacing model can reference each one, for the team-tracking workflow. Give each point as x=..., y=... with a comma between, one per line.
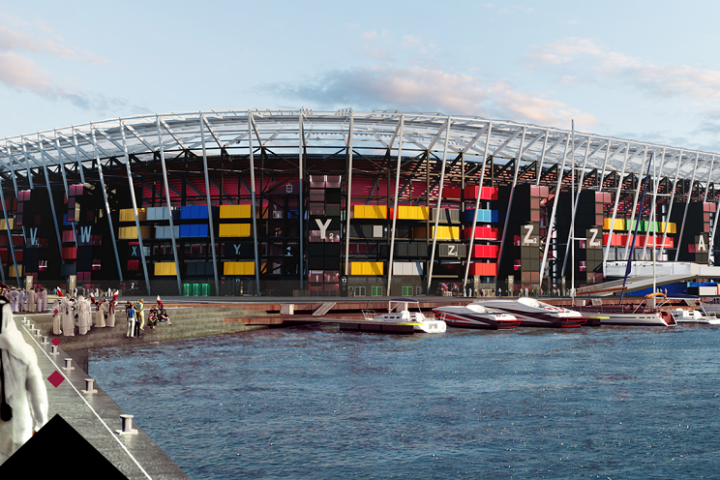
x=317, y=403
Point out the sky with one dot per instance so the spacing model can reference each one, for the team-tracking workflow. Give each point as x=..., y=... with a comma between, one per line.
x=640, y=70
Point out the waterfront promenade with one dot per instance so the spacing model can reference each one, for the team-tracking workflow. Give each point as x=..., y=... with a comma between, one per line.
x=96, y=417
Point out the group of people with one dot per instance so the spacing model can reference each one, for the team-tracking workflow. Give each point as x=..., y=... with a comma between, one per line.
x=29, y=301
x=136, y=317
x=69, y=312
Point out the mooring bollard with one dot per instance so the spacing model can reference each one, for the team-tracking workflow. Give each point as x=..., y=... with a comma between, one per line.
x=89, y=386
x=44, y=342
x=127, y=425
x=54, y=350
x=68, y=364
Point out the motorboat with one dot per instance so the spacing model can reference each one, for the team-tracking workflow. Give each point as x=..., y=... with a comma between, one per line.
x=642, y=314
x=533, y=313
x=682, y=315
x=475, y=315
x=399, y=314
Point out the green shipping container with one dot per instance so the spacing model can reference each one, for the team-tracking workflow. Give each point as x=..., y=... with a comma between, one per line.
x=186, y=290
x=195, y=289
x=205, y=289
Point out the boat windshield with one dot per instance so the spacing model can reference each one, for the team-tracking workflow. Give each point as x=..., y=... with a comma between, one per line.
x=531, y=302
x=476, y=307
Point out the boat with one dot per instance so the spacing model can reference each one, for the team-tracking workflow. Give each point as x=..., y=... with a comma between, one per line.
x=475, y=315
x=682, y=315
x=642, y=314
x=533, y=313
x=400, y=315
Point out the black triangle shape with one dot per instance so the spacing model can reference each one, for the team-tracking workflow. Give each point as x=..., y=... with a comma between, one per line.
x=47, y=452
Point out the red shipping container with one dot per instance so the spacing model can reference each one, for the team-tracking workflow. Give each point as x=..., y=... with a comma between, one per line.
x=482, y=233
x=708, y=207
x=485, y=251
x=483, y=269
x=67, y=236
x=69, y=253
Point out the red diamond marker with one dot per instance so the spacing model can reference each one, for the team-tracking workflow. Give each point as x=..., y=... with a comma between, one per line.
x=56, y=341
x=56, y=378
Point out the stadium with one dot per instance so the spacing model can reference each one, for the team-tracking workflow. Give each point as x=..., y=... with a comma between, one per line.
x=343, y=203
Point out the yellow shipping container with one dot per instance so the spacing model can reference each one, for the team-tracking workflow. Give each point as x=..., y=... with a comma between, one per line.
x=619, y=224
x=235, y=211
x=239, y=268
x=443, y=232
x=671, y=227
x=406, y=212
x=19, y=272
x=130, y=233
x=235, y=230
x=128, y=214
x=165, y=269
x=3, y=226
x=366, y=268
x=370, y=211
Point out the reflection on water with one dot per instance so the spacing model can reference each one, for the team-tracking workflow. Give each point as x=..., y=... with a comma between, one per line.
x=314, y=402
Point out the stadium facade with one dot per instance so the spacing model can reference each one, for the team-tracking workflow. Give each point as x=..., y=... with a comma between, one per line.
x=299, y=202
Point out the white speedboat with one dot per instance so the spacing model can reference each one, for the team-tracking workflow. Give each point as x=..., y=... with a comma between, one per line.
x=533, y=313
x=475, y=315
x=399, y=314
x=643, y=314
x=682, y=315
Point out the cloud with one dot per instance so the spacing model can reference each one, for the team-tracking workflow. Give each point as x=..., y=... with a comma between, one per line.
x=14, y=40
x=664, y=81
x=369, y=35
x=419, y=89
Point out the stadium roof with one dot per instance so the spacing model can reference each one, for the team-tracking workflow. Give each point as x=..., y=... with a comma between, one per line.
x=328, y=131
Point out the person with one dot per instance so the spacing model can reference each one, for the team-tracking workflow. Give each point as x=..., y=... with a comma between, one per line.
x=15, y=299
x=68, y=318
x=42, y=300
x=130, y=313
x=110, y=318
x=163, y=316
x=84, y=315
x=23, y=396
x=57, y=317
x=140, y=308
x=101, y=307
x=31, y=301
x=152, y=317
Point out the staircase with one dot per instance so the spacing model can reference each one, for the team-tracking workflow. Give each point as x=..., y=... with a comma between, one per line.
x=186, y=323
x=322, y=308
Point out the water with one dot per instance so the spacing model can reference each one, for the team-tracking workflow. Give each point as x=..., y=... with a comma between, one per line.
x=316, y=403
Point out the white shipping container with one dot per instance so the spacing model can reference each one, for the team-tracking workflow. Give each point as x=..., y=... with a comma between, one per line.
x=407, y=268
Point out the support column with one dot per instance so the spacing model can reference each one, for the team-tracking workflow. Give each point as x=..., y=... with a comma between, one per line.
x=135, y=207
x=542, y=160
x=401, y=126
x=349, y=195
x=439, y=204
x=107, y=204
x=169, y=205
x=254, y=213
x=209, y=205
x=301, y=214
x=571, y=233
x=653, y=207
x=617, y=200
x=61, y=166
x=9, y=234
x=672, y=201
x=477, y=204
x=635, y=201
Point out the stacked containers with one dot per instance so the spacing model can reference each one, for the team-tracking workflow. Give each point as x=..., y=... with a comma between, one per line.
x=696, y=234
x=487, y=233
x=324, y=234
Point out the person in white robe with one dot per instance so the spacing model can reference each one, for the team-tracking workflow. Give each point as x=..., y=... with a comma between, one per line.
x=111, y=313
x=68, y=318
x=23, y=388
x=15, y=299
x=23, y=300
x=57, y=317
x=100, y=314
x=84, y=315
x=31, y=301
x=42, y=300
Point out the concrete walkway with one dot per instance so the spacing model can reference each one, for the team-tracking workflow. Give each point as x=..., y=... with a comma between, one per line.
x=97, y=417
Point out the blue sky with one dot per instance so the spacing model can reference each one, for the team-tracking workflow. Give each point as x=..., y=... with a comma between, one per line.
x=643, y=70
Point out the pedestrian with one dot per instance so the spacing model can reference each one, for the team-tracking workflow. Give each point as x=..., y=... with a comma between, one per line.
x=140, y=308
x=57, y=317
x=15, y=299
x=101, y=309
x=68, y=318
x=42, y=300
x=31, y=301
x=84, y=315
x=163, y=315
x=130, y=313
x=110, y=322
x=23, y=397
x=23, y=300
x=153, y=317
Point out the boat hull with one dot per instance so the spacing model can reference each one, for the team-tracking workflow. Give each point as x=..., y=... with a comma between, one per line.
x=460, y=317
